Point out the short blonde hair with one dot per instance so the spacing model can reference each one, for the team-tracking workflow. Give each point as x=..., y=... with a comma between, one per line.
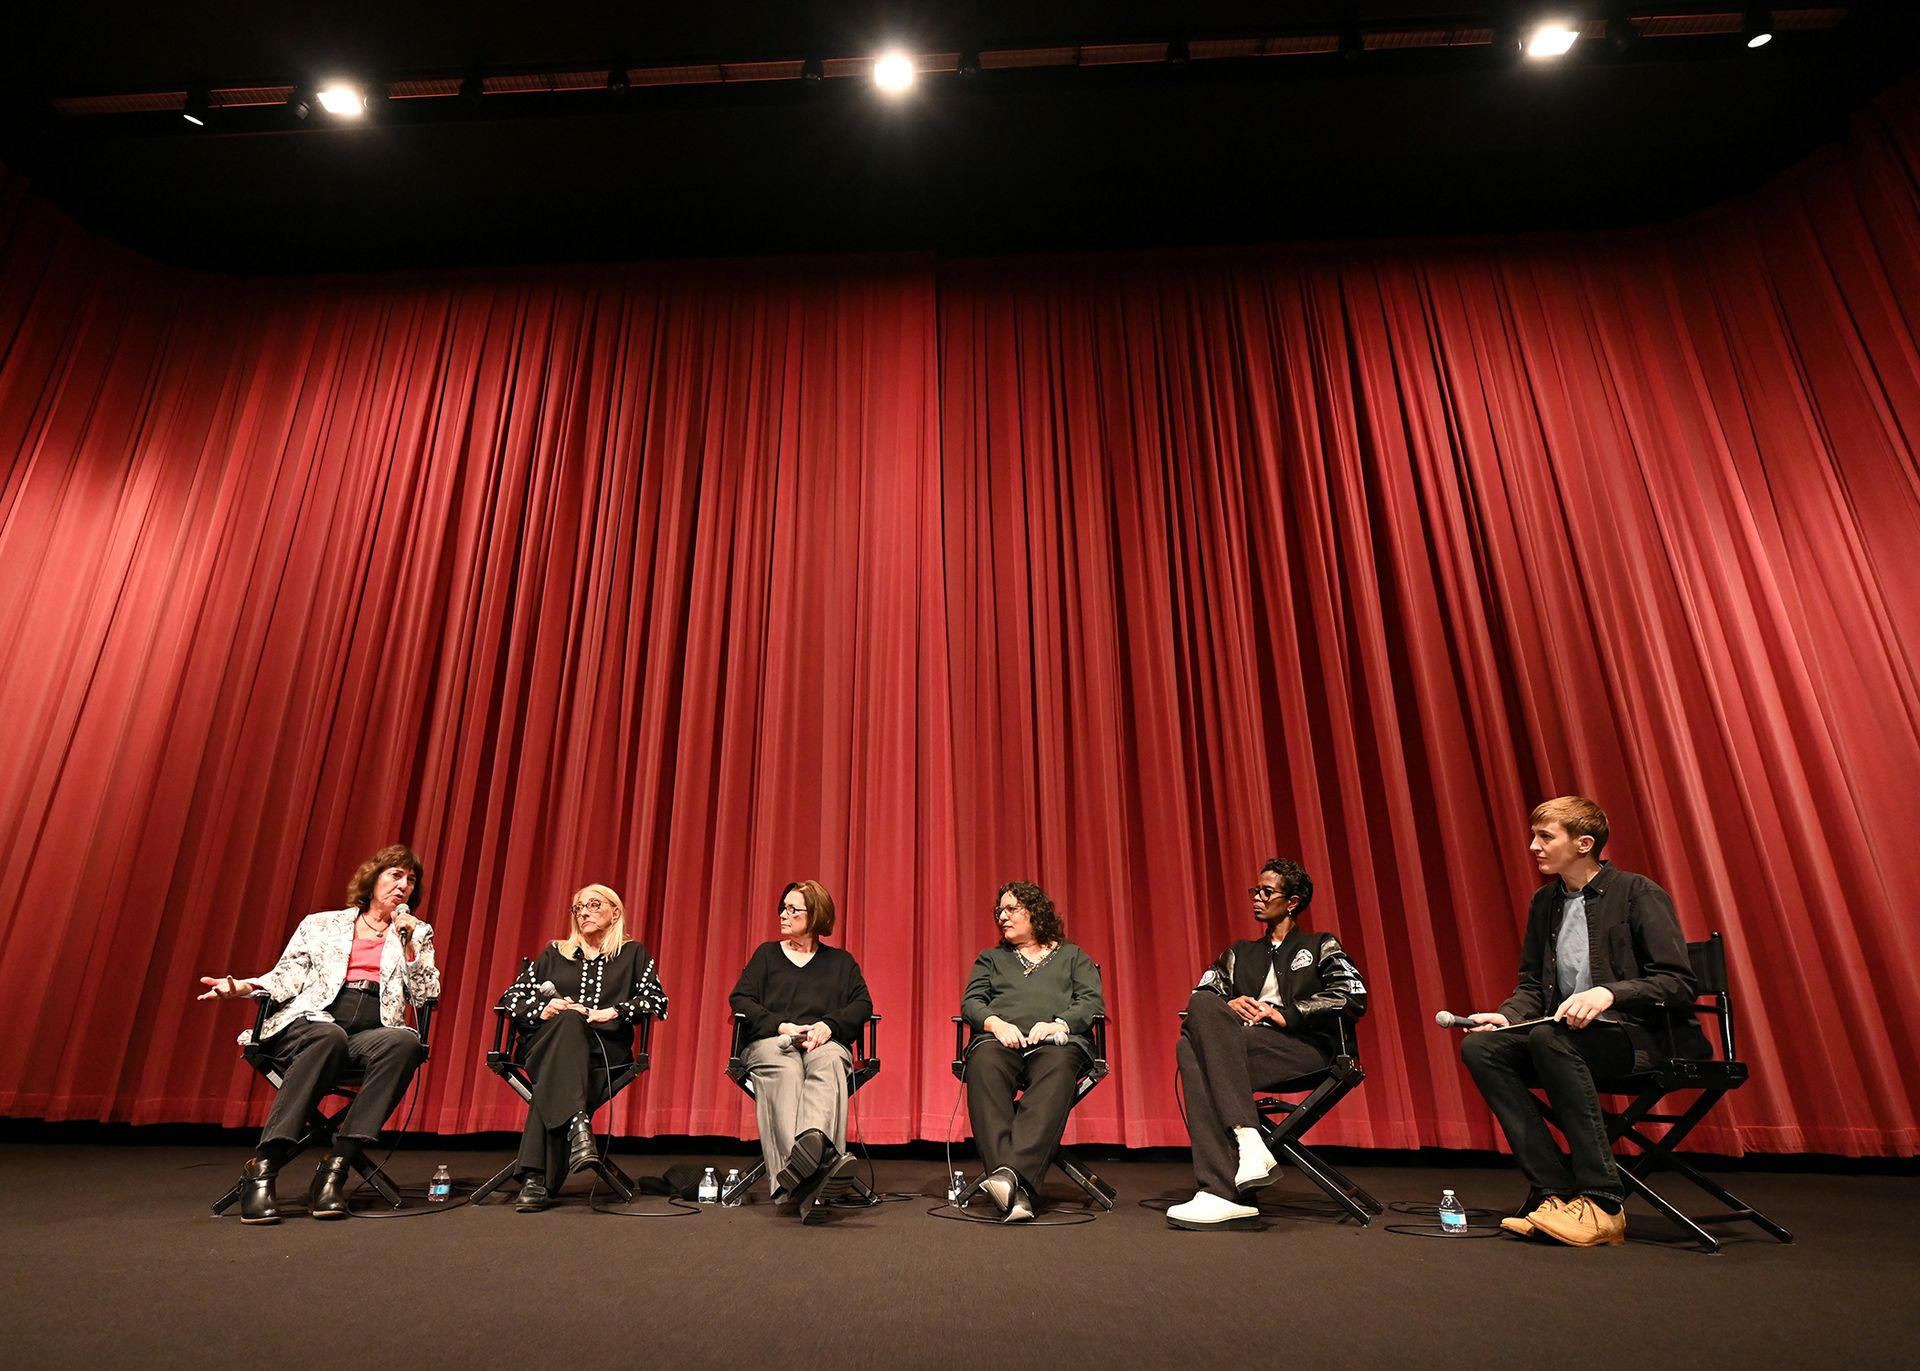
x=1577, y=814
x=819, y=904
x=571, y=947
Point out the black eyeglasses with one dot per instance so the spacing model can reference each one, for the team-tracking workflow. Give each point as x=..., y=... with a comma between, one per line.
x=1262, y=894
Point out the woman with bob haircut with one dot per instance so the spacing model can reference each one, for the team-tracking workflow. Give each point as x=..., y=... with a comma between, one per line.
x=1031, y=999
x=576, y=1005
x=805, y=1004
x=339, y=997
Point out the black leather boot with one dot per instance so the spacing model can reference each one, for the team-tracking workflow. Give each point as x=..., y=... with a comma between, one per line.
x=328, y=1198
x=257, y=1204
x=581, y=1152
x=534, y=1195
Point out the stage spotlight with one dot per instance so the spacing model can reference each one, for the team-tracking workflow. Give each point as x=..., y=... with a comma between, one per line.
x=1757, y=31
x=339, y=98
x=813, y=69
x=969, y=63
x=1552, y=38
x=617, y=81
x=1177, y=52
x=1353, y=44
x=893, y=72
x=195, y=110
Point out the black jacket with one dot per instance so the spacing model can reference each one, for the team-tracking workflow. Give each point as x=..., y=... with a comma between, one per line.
x=1637, y=951
x=1318, y=982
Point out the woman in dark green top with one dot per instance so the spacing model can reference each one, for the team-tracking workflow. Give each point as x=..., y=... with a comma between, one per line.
x=1031, y=1000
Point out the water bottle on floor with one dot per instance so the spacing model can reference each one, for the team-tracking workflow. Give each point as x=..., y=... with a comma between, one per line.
x=440, y=1188
x=1453, y=1218
x=731, y=1190
x=709, y=1192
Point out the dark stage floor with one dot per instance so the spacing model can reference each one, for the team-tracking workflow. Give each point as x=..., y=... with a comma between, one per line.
x=111, y=1256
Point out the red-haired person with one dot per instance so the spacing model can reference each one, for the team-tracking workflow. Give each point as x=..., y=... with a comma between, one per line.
x=1602, y=952
x=804, y=1004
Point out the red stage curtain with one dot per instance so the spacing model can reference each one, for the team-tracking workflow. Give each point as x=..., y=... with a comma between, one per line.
x=1116, y=574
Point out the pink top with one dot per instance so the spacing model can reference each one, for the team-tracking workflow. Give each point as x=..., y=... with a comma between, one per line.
x=364, y=964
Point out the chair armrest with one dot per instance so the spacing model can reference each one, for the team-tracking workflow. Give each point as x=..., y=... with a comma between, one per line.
x=737, y=1052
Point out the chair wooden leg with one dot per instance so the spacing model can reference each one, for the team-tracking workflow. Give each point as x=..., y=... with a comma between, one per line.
x=1325, y=1177
x=498, y=1179
x=1085, y=1177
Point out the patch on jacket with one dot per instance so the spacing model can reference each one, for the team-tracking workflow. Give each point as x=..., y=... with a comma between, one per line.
x=1301, y=960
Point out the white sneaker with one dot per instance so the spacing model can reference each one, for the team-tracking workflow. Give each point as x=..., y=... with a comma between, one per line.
x=1206, y=1211
x=1256, y=1163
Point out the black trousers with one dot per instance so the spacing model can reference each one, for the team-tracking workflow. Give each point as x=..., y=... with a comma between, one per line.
x=1020, y=1135
x=570, y=1061
x=1223, y=1061
x=312, y=1055
x=1563, y=1061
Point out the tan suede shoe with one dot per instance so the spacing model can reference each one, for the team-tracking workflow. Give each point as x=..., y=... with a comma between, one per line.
x=1581, y=1223
x=1527, y=1225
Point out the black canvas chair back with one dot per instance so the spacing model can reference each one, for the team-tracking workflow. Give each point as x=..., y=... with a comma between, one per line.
x=504, y=1060
x=1670, y=1074
x=1072, y=1165
x=1284, y=1123
x=321, y=1122
x=866, y=1065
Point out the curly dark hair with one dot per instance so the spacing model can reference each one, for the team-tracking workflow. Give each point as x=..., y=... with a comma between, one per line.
x=1047, y=927
x=1294, y=881
x=360, y=888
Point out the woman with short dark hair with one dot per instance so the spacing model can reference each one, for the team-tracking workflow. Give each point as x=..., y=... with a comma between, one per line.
x=339, y=995
x=805, y=1004
x=1031, y=999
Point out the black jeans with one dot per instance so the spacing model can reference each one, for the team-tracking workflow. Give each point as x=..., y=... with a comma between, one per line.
x=1222, y=1062
x=1024, y=1136
x=313, y=1054
x=1563, y=1061
x=570, y=1061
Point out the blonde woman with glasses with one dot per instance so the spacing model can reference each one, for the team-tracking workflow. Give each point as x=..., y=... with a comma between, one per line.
x=576, y=1005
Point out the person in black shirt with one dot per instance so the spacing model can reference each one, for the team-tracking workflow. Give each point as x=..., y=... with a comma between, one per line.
x=805, y=1004
x=576, y=1005
x=1265, y=1013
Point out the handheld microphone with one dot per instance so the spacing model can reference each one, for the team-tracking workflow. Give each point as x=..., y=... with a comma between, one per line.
x=406, y=930
x=1446, y=1020
x=547, y=990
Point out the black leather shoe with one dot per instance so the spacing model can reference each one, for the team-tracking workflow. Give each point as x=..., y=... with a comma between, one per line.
x=811, y=1150
x=257, y=1204
x=328, y=1197
x=534, y=1196
x=827, y=1184
x=581, y=1152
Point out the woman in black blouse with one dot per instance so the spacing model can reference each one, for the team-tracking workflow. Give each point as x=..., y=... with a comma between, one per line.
x=576, y=1004
x=1031, y=999
x=804, y=1003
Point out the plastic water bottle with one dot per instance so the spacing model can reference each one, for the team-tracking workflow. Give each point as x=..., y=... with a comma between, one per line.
x=731, y=1189
x=1453, y=1218
x=440, y=1188
x=954, y=1187
x=709, y=1192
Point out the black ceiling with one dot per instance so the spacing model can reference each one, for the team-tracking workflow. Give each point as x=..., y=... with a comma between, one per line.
x=1418, y=142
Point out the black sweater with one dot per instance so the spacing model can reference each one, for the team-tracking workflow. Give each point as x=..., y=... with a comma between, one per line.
x=829, y=989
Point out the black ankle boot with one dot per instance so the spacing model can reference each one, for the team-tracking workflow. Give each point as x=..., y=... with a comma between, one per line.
x=257, y=1204
x=328, y=1198
x=581, y=1151
x=534, y=1195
